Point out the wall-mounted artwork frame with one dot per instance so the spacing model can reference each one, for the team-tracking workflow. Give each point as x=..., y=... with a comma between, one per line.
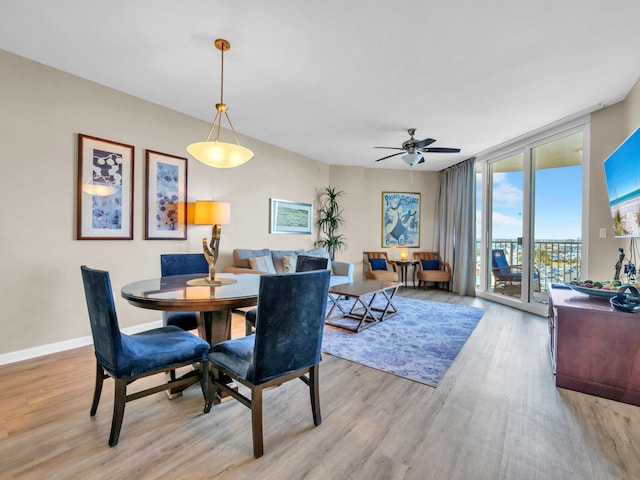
x=165, y=191
x=400, y=219
x=291, y=217
x=105, y=189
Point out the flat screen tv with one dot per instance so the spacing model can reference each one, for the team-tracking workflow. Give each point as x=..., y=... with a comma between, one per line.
x=622, y=172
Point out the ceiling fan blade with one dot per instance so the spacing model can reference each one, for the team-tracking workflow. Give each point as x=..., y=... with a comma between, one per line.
x=389, y=156
x=391, y=148
x=424, y=143
x=440, y=150
x=421, y=161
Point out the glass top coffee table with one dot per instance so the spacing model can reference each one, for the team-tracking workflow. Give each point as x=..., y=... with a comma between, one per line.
x=358, y=305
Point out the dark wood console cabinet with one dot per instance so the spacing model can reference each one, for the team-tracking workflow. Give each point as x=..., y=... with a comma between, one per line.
x=594, y=348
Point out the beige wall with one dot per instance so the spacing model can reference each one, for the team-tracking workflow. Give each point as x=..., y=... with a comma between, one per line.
x=363, y=206
x=44, y=109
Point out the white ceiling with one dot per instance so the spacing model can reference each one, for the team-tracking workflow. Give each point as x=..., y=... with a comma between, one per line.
x=331, y=79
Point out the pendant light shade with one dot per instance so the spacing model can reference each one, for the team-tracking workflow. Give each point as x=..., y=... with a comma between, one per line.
x=220, y=154
x=215, y=153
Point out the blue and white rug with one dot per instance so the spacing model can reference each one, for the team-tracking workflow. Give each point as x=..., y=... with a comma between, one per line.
x=420, y=342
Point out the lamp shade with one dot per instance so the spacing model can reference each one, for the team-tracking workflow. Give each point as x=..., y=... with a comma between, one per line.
x=220, y=154
x=209, y=212
x=412, y=159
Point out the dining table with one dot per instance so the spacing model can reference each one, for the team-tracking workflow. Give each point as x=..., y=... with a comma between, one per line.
x=193, y=293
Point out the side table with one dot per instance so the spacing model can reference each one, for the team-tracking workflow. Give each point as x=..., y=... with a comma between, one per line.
x=403, y=266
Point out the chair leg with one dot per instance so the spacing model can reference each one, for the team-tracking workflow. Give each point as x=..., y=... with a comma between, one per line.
x=314, y=391
x=98, y=388
x=205, y=381
x=256, y=421
x=119, y=399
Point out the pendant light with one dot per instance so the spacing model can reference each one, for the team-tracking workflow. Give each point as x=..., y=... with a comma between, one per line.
x=215, y=153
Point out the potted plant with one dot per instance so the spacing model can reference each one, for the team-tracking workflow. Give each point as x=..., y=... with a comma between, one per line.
x=329, y=220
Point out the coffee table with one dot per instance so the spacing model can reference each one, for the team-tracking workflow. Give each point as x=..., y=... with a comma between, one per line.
x=365, y=303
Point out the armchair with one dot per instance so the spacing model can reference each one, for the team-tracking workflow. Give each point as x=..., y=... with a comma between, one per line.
x=286, y=344
x=126, y=358
x=378, y=267
x=432, y=269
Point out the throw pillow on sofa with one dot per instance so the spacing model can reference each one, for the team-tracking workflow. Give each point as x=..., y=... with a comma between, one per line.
x=317, y=252
x=262, y=264
x=289, y=263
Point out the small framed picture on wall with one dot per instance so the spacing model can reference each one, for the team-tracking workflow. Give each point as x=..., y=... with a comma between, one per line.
x=165, y=189
x=105, y=189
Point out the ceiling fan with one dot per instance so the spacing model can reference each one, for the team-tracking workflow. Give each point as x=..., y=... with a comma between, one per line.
x=413, y=149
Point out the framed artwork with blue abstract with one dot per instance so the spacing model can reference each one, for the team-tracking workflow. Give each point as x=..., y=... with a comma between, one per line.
x=166, y=197
x=105, y=189
x=400, y=219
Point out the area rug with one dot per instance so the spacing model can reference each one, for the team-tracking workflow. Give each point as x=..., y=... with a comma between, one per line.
x=420, y=342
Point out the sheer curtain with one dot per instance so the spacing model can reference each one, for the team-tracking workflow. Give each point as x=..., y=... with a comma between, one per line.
x=454, y=229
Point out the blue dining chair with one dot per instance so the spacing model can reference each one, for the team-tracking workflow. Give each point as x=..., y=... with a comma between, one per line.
x=304, y=263
x=126, y=358
x=182, y=264
x=286, y=345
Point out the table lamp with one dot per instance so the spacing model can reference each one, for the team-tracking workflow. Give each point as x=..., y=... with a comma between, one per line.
x=404, y=254
x=209, y=212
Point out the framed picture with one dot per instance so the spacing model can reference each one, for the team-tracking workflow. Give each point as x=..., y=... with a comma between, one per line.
x=165, y=190
x=291, y=217
x=105, y=189
x=400, y=219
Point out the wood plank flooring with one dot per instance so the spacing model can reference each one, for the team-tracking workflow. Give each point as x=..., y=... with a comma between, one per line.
x=496, y=415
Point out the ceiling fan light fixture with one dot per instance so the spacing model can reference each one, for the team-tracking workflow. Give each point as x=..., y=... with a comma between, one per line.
x=413, y=149
x=215, y=153
x=412, y=159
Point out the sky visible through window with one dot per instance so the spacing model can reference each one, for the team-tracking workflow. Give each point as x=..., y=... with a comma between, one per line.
x=558, y=204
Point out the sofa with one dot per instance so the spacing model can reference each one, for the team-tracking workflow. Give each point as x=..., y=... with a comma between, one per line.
x=284, y=261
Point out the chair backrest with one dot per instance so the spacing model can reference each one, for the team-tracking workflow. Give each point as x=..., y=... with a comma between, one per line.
x=182, y=264
x=290, y=324
x=377, y=256
x=107, y=341
x=499, y=262
x=306, y=263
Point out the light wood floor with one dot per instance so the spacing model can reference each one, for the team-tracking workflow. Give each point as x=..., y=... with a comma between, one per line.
x=496, y=415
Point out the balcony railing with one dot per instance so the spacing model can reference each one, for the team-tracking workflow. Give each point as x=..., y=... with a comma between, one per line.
x=558, y=261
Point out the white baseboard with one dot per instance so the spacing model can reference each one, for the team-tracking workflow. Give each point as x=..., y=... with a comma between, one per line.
x=34, y=352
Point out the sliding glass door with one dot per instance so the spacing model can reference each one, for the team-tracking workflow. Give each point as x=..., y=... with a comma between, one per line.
x=529, y=219
x=557, y=213
x=506, y=182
